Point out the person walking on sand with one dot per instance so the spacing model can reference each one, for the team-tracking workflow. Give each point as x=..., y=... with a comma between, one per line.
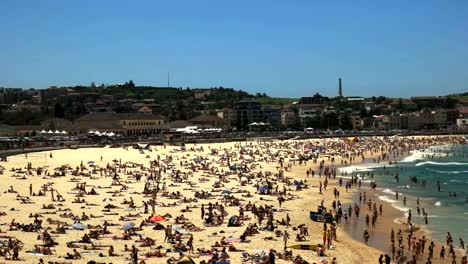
x=134, y=255
x=366, y=236
x=285, y=238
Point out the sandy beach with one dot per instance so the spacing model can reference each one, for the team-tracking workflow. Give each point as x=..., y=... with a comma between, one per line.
x=103, y=191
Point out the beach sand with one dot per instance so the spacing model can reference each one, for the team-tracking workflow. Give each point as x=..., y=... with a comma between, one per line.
x=347, y=249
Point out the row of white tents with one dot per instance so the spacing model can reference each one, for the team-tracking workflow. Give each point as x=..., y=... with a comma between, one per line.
x=196, y=130
x=258, y=124
x=97, y=133
x=52, y=132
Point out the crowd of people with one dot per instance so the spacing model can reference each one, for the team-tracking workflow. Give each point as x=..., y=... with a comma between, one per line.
x=235, y=195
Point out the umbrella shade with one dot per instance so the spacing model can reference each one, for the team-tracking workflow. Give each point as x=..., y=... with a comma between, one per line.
x=128, y=226
x=157, y=218
x=79, y=226
x=226, y=192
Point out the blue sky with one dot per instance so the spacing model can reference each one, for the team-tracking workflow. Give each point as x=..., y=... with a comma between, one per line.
x=283, y=48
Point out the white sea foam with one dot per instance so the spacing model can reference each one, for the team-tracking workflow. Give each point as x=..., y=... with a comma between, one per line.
x=415, y=155
x=456, y=181
x=401, y=208
x=386, y=199
x=441, y=163
x=360, y=177
x=448, y=172
x=404, y=186
x=389, y=191
x=358, y=168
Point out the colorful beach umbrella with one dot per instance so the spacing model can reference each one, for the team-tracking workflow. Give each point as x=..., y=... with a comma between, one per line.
x=157, y=218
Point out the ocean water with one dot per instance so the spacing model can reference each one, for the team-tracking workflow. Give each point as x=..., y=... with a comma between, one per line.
x=446, y=166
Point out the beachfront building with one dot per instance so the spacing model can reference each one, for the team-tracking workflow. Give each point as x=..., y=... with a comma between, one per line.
x=246, y=112
x=462, y=123
x=227, y=115
x=207, y=121
x=356, y=122
x=56, y=124
x=288, y=118
x=6, y=130
x=120, y=123
x=309, y=113
x=272, y=117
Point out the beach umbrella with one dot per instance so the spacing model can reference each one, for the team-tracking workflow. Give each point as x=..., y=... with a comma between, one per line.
x=226, y=192
x=176, y=228
x=157, y=218
x=263, y=188
x=91, y=132
x=43, y=131
x=298, y=183
x=50, y=132
x=79, y=226
x=185, y=260
x=222, y=262
x=63, y=132
x=57, y=132
x=91, y=162
x=128, y=226
x=107, y=200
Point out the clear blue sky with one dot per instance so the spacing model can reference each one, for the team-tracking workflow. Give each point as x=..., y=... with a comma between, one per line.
x=283, y=48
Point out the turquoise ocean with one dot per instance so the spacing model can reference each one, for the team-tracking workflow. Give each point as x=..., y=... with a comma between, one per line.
x=421, y=175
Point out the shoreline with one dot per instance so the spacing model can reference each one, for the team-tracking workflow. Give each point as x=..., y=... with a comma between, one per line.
x=395, y=219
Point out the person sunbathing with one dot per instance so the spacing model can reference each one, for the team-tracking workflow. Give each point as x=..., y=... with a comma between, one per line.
x=300, y=238
x=180, y=247
x=85, y=239
x=147, y=242
x=111, y=252
x=155, y=253
x=286, y=255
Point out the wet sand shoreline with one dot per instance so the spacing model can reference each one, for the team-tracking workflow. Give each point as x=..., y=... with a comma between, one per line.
x=392, y=218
